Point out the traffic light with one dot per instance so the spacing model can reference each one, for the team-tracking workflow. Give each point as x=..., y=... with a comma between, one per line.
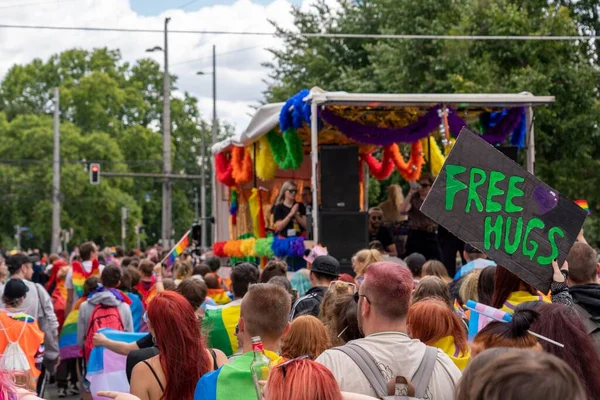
x=95, y=174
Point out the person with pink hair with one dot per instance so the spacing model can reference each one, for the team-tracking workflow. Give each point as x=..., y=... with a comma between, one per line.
x=383, y=300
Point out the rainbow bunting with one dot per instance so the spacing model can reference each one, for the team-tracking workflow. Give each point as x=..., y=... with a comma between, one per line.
x=583, y=204
x=177, y=250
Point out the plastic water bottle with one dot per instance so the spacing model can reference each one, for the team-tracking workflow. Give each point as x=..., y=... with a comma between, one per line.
x=260, y=366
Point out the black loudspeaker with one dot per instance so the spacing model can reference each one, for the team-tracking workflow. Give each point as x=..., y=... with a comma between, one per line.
x=344, y=233
x=511, y=152
x=339, y=178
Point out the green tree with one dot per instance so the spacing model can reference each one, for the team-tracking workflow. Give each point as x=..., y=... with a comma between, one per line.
x=110, y=111
x=567, y=136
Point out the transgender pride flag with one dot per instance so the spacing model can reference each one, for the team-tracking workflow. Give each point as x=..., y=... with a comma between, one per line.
x=481, y=315
x=105, y=369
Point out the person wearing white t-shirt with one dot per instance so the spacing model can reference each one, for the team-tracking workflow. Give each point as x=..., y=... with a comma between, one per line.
x=88, y=252
x=383, y=302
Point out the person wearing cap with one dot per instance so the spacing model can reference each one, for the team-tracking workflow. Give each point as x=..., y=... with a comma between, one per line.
x=22, y=328
x=324, y=270
x=37, y=303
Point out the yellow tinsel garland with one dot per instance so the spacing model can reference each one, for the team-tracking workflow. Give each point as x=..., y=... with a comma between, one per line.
x=266, y=167
x=437, y=158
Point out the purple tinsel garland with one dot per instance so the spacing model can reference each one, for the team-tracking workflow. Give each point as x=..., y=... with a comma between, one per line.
x=419, y=129
x=496, y=134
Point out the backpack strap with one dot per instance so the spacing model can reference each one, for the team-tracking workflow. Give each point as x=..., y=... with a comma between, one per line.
x=37, y=289
x=368, y=366
x=422, y=377
x=5, y=331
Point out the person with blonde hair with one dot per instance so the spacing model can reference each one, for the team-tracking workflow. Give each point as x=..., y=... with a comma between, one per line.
x=289, y=216
x=182, y=270
x=468, y=289
x=307, y=336
x=362, y=260
x=391, y=206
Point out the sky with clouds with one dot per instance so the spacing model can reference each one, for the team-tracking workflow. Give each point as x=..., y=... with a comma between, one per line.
x=239, y=71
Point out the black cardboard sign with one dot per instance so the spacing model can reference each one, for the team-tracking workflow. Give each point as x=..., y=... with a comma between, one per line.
x=488, y=200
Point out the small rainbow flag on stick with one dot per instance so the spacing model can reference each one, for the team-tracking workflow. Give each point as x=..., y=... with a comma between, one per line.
x=583, y=204
x=177, y=250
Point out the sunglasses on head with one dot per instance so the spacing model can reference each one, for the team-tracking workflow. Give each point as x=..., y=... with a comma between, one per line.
x=342, y=286
x=293, y=360
x=357, y=297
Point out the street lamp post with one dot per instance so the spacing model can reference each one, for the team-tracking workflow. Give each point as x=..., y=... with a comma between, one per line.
x=166, y=125
x=214, y=137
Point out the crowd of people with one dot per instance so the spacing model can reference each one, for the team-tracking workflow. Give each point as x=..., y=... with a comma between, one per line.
x=395, y=328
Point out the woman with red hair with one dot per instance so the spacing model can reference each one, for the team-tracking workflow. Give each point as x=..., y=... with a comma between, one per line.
x=303, y=379
x=433, y=323
x=182, y=358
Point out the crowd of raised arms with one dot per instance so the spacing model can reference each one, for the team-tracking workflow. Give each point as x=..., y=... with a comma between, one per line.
x=402, y=326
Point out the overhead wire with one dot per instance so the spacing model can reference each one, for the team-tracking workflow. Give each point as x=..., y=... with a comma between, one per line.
x=210, y=57
x=309, y=35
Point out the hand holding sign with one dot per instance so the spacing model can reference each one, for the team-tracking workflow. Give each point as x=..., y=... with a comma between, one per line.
x=489, y=201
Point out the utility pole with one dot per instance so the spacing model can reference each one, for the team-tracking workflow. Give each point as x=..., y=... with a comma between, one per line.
x=214, y=140
x=18, y=236
x=138, y=242
x=204, y=221
x=124, y=214
x=55, y=243
x=195, y=204
x=166, y=191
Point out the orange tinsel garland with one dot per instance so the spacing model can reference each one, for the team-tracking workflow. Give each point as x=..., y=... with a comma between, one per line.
x=410, y=170
x=241, y=164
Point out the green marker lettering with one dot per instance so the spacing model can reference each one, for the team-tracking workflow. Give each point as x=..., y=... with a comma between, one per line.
x=473, y=185
x=532, y=224
x=493, y=191
x=453, y=185
x=511, y=248
x=490, y=229
x=513, y=192
x=552, y=239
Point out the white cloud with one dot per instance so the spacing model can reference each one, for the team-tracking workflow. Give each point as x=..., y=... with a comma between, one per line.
x=239, y=73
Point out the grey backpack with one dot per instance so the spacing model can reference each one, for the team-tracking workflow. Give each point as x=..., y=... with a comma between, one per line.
x=416, y=389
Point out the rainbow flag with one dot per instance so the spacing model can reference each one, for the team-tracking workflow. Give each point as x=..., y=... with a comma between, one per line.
x=177, y=250
x=67, y=341
x=219, y=296
x=583, y=204
x=458, y=310
x=219, y=325
x=105, y=369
